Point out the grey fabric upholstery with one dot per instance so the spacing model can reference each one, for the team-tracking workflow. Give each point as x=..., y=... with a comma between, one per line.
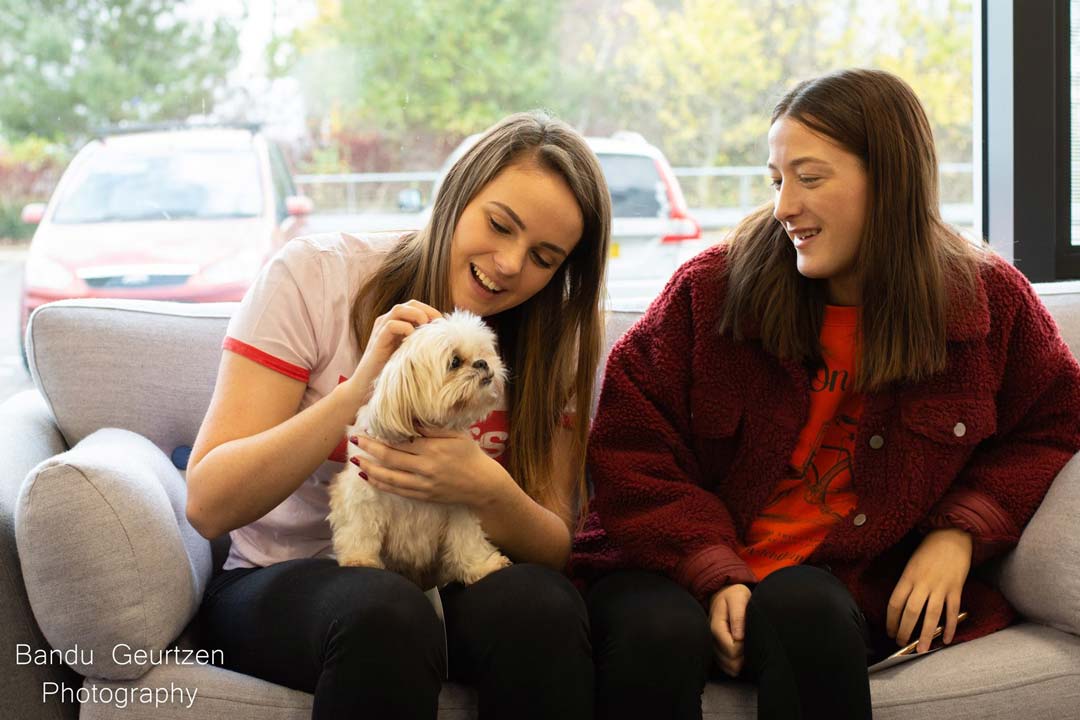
x=1041, y=577
x=28, y=435
x=108, y=556
x=150, y=368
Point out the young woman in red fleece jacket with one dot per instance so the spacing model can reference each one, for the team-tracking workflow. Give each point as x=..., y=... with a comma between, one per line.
x=818, y=429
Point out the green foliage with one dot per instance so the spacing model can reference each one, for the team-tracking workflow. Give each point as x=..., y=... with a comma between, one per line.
x=68, y=67
x=697, y=77
x=12, y=228
x=700, y=77
x=451, y=65
x=29, y=170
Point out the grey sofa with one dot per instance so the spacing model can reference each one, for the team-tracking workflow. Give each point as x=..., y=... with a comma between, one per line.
x=103, y=550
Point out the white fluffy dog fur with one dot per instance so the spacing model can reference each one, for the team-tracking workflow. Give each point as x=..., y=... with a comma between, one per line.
x=447, y=375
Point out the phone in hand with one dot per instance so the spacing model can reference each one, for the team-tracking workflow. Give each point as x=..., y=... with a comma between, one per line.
x=908, y=651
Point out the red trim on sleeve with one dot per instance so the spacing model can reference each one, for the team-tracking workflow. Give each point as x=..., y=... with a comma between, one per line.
x=266, y=359
x=979, y=515
x=711, y=569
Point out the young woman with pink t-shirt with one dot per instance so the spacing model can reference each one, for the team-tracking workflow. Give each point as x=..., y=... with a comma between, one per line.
x=518, y=235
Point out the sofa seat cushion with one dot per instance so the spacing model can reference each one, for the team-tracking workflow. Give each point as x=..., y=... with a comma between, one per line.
x=1025, y=671
x=108, y=557
x=223, y=694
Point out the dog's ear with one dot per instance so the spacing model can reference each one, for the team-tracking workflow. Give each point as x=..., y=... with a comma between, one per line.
x=405, y=391
x=390, y=416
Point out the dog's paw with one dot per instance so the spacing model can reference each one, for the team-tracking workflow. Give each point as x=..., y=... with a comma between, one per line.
x=495, y=561
x=359, y=560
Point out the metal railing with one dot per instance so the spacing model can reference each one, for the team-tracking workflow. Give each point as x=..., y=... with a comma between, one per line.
x=717, y=195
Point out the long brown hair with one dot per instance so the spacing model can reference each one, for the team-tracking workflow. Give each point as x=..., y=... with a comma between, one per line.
x=551, y=343
x=910, y=265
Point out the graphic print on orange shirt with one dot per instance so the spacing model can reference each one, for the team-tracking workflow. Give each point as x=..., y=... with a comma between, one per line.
x=816, y=494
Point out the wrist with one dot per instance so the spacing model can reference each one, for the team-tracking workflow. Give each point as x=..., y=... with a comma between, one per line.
x=353, y=394
x=496, y=490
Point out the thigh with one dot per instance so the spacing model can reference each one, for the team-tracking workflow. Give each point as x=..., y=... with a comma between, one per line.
x=522, y=614
x=278, y=622
x=652, y=647
x=521, y=637
x=807, y=647
x=649, y=612
x=810, y=609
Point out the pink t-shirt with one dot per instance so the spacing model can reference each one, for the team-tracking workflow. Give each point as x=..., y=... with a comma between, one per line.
x=295, y=319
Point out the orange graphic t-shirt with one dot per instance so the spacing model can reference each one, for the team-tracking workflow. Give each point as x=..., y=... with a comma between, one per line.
x=817, y=491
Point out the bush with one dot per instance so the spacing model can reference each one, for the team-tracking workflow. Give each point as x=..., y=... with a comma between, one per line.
x=12, y=228
x=29, y=170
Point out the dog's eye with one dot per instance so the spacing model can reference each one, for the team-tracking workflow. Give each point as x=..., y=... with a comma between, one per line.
x=455, y=363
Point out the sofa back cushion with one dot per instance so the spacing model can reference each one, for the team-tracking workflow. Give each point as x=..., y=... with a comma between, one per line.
x=148, y=367
x=143, y=366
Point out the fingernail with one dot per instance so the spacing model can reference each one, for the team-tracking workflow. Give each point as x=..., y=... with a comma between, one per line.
x=355, y=461
x=354, y=440
x=363, y=475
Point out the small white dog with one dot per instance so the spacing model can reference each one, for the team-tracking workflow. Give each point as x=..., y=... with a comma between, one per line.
x=446, y=374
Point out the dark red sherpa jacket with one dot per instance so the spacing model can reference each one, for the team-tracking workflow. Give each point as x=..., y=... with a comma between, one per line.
x=694, y=430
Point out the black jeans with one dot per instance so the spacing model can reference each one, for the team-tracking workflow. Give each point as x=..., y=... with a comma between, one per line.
x=806, y=647
x=368, y=644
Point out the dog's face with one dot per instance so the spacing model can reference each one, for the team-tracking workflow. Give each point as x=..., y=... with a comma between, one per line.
x=446, y=374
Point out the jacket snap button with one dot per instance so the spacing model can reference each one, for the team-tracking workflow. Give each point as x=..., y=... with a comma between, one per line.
x=959, y=430
x=859, y=520
x=877, y=442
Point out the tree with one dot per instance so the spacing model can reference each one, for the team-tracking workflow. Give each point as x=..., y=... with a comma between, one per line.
x=70, y=66
x=448, y=66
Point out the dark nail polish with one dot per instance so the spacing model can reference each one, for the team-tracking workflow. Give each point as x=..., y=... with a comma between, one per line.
x=363, y=475
x=355, y=461
x=354, y=440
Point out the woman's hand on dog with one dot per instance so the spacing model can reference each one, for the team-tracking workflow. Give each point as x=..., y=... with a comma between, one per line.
x=387, y=333
x=442, y=467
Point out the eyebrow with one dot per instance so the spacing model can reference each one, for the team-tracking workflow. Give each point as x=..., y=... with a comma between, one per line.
x=802, y=161
x=517, y=221
x=513, y=215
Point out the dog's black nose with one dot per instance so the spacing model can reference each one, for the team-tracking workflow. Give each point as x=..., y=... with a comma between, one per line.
x=480, y=365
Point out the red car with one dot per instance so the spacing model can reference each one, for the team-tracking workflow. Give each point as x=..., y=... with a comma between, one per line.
x=187, y=214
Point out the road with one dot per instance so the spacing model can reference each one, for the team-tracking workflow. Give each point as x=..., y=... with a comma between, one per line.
x=13, y=376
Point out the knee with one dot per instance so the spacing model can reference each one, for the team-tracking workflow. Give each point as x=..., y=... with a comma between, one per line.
x=382, y=612
x=644, y=616
x=531, y=603
x=807, y=601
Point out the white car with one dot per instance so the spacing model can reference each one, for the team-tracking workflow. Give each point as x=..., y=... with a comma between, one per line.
x=652, y=232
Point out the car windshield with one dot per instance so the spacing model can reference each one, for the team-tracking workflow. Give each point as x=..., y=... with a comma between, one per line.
x=120, y=185
x=635, y=185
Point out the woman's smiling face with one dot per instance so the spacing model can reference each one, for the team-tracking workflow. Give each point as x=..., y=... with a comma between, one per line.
x=821, y=200
x=511, y=238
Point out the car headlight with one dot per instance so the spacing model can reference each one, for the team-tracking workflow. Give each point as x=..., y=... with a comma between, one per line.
x=47, y=274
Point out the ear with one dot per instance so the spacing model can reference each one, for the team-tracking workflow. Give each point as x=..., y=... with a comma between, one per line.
x=423, y=381
x=390, y=410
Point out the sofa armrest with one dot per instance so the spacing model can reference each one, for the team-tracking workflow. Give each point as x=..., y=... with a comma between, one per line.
x=108, y=556
x=28, y=436
x=1041, y=576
